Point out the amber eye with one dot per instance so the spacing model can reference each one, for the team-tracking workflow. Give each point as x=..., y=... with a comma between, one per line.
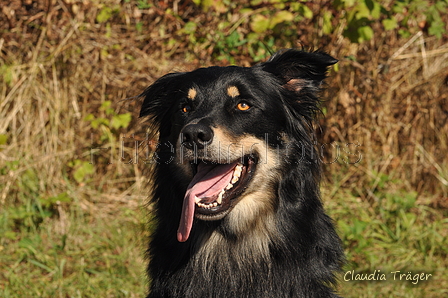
x=186, y=108
x=243, y=106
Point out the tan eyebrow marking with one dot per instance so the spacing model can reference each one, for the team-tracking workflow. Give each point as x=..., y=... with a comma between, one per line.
x=233, y=91
x=192, y=93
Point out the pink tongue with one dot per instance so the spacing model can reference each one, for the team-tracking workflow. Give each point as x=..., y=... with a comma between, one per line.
x=207, y=183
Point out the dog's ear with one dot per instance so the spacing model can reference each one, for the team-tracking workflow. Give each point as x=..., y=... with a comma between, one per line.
x=159, y=98
x=299, y=70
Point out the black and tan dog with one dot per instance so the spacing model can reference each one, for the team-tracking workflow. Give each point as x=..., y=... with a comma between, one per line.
x=236, y=182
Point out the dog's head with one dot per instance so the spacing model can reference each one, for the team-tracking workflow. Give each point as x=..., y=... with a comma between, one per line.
x=228, y=130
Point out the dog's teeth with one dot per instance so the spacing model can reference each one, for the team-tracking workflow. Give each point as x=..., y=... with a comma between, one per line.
x=211, y=205
x=219, y=200
x=196, y=199
x=237, y=173
x=238, y=170
x=229, y=186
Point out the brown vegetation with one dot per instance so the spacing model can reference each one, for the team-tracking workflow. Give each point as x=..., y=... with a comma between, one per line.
x=60, y=61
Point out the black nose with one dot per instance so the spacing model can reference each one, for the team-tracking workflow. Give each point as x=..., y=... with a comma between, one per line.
x=196, y=135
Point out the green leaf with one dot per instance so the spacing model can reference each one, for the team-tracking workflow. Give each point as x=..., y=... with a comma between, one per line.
x=302, y=10
x=437, y=29
x=106, y=106
x=84, y=170
x=190, y=27
x=375, y=9
x=121, y=120
x=307, y=12
x=280, y=17
x=234, y=40
x=365, y=33
x=390, y=24
x=104, y=15
x=259, y=24
x=404, y=33
x=99, y=121
x=362, y=11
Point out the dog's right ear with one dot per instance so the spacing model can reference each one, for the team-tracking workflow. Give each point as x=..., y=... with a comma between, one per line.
x=158, y=100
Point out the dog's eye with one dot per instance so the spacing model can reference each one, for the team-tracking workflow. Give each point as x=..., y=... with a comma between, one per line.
x=186, y=108
x=243, y=106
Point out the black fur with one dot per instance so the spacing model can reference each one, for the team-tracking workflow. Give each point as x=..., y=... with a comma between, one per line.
x=290, y=247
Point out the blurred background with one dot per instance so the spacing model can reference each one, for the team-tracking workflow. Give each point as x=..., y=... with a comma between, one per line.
x=73, y=153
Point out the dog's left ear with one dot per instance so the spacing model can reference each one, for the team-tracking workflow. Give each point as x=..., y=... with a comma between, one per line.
x=299, y=70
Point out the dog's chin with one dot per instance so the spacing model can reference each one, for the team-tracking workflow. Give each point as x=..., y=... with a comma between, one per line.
x=217, y=207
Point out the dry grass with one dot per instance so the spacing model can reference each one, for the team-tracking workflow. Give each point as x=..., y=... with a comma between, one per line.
x=52, y=79
x=392, y=101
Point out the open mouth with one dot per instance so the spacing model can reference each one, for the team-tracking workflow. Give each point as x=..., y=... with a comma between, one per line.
x=223, y=185
x=214, y=191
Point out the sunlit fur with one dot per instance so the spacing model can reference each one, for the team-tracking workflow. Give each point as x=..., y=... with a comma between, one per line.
x=276, y=241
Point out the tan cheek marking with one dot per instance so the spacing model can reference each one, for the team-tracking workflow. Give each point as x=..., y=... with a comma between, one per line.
x=258, y=202
x=192, y=93
x=233, y=91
